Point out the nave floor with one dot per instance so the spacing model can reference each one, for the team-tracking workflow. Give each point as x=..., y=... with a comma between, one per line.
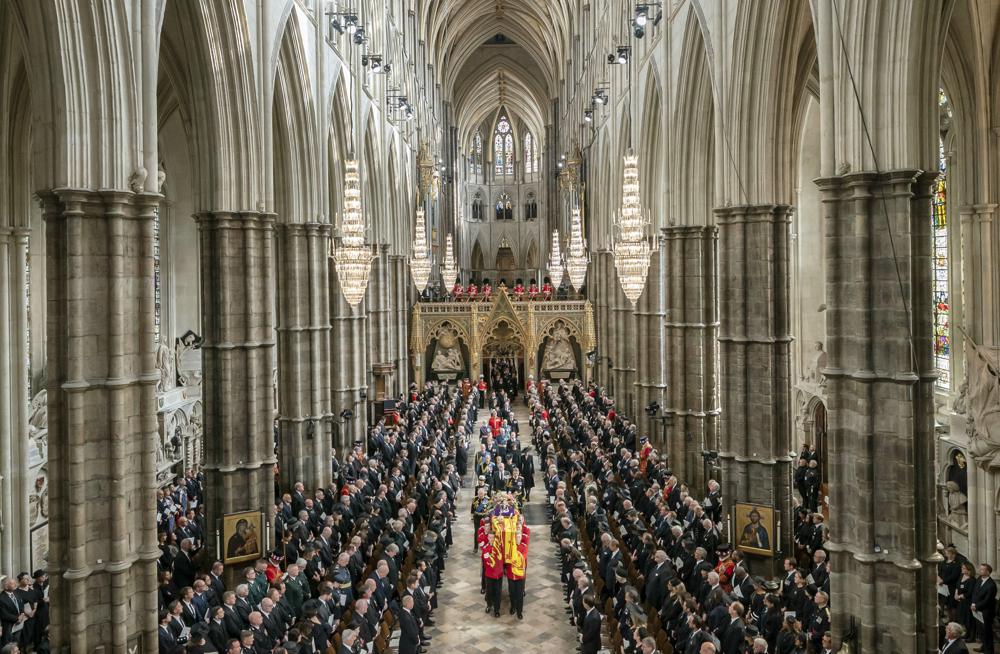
x=462, y=625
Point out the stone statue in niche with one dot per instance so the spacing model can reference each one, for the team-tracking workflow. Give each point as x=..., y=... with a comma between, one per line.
x=188, y=357
x=38, y=424
x=38, y=500
x=958, y=505
x=448, y=356
x=559, y=352
x=166, y=364
x=814, y=368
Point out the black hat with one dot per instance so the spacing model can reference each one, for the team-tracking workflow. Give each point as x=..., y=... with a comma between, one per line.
x=38, y=573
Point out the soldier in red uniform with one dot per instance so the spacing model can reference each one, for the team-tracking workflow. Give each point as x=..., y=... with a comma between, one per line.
x=644, y=449
x=493, y=569
x=515, y=574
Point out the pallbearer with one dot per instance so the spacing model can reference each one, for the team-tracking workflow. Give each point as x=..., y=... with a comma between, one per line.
x=516, y=567
x=493, y=566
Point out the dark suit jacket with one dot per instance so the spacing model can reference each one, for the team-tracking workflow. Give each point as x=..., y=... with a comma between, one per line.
x=217, y=635
x=232, y=622
x=957, y=647
x=984, y=596
x=591, y=641
x=168, y=644
x=409, y=639
x=732, y=637
x=184, y=570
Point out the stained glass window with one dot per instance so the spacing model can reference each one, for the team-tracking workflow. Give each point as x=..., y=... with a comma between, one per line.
x=508, y=146
x=498, y=155
x=503, y=148
x=478, y=154
x=942, y=296
x=529, y=154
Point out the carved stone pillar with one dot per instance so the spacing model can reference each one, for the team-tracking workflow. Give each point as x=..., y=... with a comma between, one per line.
x=349, y=364
x=237, y=291
x=400, y=305
x=755, y=361
x=15, y=479
x=692, y=326
x=649, y=363
x=880, y=388
x=601, y=281
x=304, y=332
x=102, y=420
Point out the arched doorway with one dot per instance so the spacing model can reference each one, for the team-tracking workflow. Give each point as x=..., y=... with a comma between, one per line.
x=503, y=359
x=506, y=262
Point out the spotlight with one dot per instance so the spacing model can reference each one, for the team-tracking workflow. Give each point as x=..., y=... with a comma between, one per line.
x=359, y=36
x=409, y=112
x=641, y=15
x=352, y=23
x=623, y=54
x=588, y=115
x=335, y=24
x=559, y=165
x=638, y=30
x=600, y=96
x=612, y=59
x=387, y=69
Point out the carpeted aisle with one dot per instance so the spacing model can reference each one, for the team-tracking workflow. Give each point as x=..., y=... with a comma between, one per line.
x=463, y=627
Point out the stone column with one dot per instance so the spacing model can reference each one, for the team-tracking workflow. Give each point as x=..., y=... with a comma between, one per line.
x=15, y=480
x=102, y=420
x=692, y=325
x=304, y=332
x=600, y=280
x=755, y=358
x=880, y=385
x=400, y=304
x=237, y=287
x=349, y=364
x=649, y=365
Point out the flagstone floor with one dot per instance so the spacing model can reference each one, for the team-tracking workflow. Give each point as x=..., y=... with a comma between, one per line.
x=463, y=627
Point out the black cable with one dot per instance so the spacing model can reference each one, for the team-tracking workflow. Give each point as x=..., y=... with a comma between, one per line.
x=878, y=171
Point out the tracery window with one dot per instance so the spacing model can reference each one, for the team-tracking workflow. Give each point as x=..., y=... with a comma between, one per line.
x=504, y=210
x=529, y=155
x=941, y=279
x=503, y=148
x=478, y=153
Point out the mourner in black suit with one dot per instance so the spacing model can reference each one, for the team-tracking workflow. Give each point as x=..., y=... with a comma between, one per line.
x=409, y=639
x=984, y=600
x=590, y=636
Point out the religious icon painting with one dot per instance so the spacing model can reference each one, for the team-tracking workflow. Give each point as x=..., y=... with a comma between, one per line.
x=754, y=529
x=242, y=537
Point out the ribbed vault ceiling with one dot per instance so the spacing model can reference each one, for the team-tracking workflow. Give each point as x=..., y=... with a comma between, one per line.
x=477, y=78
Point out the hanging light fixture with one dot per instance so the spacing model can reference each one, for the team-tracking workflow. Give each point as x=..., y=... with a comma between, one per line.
x=352, y=257
x=631, y=249
x=420, y=261
x=576, y=259
x=555, y=259
x=449, y=271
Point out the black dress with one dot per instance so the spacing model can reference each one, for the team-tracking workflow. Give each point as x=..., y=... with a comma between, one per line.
x=964, y=614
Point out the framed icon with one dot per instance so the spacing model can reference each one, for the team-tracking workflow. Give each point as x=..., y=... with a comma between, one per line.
x=754, y=529
x=242, y=537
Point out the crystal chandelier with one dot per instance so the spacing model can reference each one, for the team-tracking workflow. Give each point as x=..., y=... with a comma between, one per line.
x=631, y=250
x=352, y=257
x=555, y=259
x=576, y=260
x=449, y=272
x=420, y=261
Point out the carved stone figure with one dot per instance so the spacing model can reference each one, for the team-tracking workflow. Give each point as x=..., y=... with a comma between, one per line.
x=559, y=352
x=137, y=182
x=984, y=405
x=38, y=424
x=38, y=500
x=959, y=406
x=958, y=504
x=165, y=363
x=161, y=178
x=188, y=358
x=817, y=361
x=448, y=357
